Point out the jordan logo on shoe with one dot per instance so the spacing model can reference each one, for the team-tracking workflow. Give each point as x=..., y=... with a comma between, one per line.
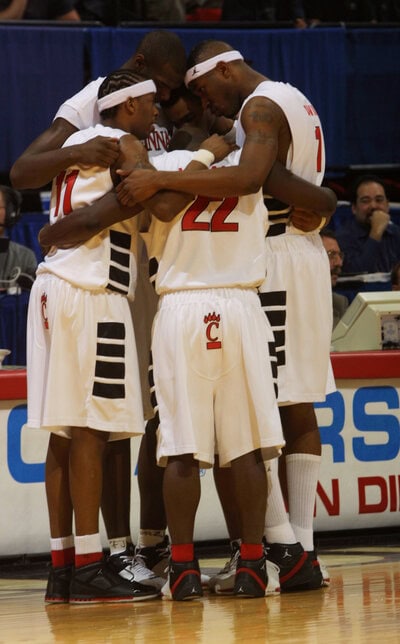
x=193, y=591
x=286, y=554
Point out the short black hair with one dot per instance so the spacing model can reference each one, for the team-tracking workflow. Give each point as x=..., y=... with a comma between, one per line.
x=365, y=178
x=162, y=46
x=327, y=232
x=116, y=80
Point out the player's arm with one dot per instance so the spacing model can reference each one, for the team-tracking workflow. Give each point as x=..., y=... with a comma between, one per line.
x=84, y=223
x=311, y=203
x=262, y=121
x=167, y=203
x=44, y=158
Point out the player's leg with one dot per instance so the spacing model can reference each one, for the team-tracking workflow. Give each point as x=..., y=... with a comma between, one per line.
x=59, y=506
x=223, y=484
x=250, y=491
x=282, y=546
x=303, y=456
x=182, y=496
x=94, y=579
x=302, y=464
x=152, y=549
x=116, y=494
x=116, y=497
x=223, y=582
x=115, y=507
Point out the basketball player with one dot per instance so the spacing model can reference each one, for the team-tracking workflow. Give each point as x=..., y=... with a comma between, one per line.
x=161, y=56
x=275, y=121
x=79, y=318
x=187, y=574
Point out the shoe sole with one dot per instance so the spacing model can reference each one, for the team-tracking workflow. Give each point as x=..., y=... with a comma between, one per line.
x=56, y=600
x=80, y=601
x=229, y=591
x=168, y=594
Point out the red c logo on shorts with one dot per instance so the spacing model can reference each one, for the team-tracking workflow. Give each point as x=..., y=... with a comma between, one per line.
x=212, y=320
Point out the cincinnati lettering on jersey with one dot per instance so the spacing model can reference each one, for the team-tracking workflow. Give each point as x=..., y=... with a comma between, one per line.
x=157, y=140
x=311, y=111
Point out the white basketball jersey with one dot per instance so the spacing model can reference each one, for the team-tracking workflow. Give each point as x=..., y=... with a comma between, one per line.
x=212, y=243
x=305, y=128
x=107, y=260
x=81, y=111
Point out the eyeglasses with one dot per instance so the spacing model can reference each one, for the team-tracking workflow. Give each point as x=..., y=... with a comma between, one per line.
x=335, y=253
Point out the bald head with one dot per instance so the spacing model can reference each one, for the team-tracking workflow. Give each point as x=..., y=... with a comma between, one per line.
x=207, y=49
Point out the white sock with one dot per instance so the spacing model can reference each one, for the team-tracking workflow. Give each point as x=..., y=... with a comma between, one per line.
x=277, y=527
x=302, y=472
x=148, y=538
x=118, y=545
x=62, y=543
x=88, y=543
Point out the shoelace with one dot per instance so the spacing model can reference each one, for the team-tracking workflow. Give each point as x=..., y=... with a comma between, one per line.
x=232, y=563
x=138, y=567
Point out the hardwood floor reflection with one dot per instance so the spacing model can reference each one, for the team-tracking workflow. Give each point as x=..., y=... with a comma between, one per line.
x=361, y=605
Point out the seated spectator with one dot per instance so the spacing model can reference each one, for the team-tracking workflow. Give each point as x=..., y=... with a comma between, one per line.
x=103, y=11
x=335, y=255
x=395, y=277
x=164, y=10
x=369, y=239
x=17, y=263
x=111, y=13
x=340, y=10
x=388, y=10
x=38, y=10
x=268, y=10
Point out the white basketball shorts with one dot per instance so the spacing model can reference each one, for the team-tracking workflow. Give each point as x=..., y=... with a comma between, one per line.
x=213, y=377
x=82, y=367
x=297, y=299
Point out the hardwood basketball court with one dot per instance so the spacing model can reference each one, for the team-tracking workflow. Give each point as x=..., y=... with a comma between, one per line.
x=361, y=605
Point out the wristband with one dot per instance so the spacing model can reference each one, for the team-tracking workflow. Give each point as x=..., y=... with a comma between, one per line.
x=322, y=224
x=204, y=156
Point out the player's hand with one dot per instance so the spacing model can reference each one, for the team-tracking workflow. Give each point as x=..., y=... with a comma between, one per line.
x=218, y=145
x=305, y=220
x=136, y=186
x=100, y=151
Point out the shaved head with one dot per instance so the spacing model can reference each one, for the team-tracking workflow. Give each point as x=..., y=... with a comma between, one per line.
x=207, y=49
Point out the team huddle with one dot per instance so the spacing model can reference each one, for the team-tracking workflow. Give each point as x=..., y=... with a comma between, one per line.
x=185, y=298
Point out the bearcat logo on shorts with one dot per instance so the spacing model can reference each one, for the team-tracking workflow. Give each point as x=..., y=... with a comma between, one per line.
x=212, y=320
x=43, y=302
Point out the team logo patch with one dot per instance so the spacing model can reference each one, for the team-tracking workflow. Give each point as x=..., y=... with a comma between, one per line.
x=43, y=303
x=212, y=321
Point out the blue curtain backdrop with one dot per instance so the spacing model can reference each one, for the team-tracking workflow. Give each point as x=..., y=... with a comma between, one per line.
x=39, y=68
x=352, y=76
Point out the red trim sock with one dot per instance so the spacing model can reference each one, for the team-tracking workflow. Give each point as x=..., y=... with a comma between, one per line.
x=182, y=552
x=61, y=558
x=87, y=558
x=251, y=551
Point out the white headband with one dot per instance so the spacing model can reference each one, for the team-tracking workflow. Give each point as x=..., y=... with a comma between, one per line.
x=207, y=65
x=120, y=95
